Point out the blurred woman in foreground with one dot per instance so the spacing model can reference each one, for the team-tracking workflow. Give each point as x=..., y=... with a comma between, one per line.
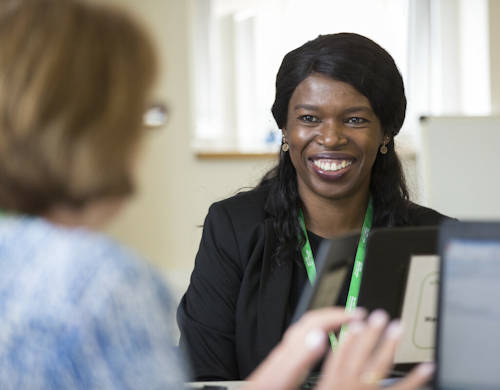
x=77, y=309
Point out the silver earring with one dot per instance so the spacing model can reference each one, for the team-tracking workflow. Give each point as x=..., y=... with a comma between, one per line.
x=284, y=145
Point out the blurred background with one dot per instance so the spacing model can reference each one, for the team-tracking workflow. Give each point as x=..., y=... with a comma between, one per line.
x=219, y=59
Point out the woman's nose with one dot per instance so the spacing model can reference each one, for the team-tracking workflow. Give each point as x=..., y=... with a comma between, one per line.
x=331, y=135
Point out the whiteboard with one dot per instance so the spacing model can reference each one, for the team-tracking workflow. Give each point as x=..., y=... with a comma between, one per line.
x=460, y=166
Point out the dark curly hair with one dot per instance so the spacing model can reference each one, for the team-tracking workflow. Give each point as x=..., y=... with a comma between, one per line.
x=360, y=62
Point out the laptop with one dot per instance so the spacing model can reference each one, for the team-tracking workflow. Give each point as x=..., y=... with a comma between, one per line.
x=468, y=330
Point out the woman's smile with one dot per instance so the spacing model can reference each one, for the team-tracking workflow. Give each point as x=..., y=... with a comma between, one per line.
x=331, y=167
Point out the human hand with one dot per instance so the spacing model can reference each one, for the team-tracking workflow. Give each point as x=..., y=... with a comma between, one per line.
x=303, y=344
x=365, y=356
x=360, y=361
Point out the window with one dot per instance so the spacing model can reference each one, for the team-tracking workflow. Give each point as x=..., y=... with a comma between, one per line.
x=238, y=46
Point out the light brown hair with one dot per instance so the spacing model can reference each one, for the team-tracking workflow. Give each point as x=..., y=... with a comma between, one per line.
x=74, y=81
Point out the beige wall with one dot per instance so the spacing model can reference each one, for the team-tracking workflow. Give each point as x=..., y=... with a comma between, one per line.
x=175, y=188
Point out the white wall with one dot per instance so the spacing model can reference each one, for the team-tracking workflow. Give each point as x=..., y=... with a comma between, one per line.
x=175, y=188
x=494, y=26
x=458, y=157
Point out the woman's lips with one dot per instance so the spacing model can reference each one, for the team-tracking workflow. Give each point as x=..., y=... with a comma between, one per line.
x=331, y=168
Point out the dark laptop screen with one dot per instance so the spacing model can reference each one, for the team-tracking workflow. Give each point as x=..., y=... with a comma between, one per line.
x=469, y=330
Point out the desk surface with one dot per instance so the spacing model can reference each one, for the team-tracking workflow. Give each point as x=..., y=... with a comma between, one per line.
x=232, y=385
x=239, y=384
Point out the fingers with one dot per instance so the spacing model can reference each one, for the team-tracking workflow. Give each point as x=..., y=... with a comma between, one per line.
x=416, y=378
x=366, y=341
x=295, y=357
x=336, y=361
x=357, y=345
x=359, y=362
x=285, y=367
x=365, y=355
x=382, y=361
x=311, y=333
x=327, y=319
x=303, y=344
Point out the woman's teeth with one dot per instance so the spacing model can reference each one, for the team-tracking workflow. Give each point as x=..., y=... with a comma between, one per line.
x=332, y=165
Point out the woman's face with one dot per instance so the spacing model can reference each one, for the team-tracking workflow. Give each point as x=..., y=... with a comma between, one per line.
x=333, y=136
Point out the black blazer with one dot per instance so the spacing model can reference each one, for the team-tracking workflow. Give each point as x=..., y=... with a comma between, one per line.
x=238, y=303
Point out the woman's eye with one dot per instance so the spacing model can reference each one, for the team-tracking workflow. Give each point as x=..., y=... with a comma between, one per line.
x=355, y=120
x=309, y=118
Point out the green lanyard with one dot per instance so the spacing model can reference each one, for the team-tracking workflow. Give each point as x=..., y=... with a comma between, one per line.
x=352, y=296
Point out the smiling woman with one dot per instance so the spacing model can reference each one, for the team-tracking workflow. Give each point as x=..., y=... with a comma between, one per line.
x=339, y=102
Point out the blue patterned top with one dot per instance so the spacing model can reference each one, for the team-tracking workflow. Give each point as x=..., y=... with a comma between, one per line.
x=78, y=311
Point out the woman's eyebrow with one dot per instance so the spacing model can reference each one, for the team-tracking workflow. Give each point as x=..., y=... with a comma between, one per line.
x=350, y=110
x=310, y=107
